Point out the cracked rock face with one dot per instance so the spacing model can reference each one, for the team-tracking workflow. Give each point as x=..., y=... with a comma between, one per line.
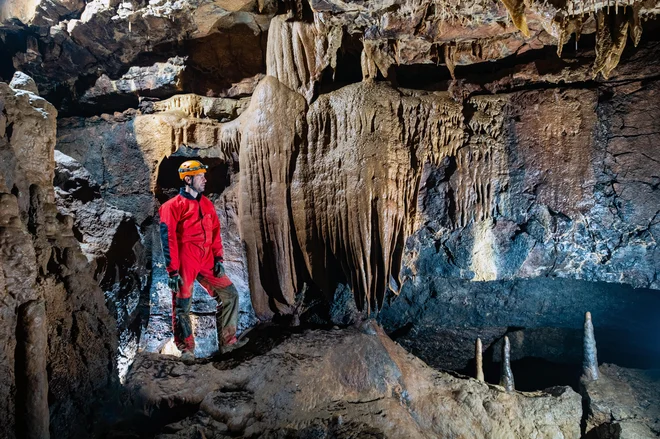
x=74, y=51
x=110, y=240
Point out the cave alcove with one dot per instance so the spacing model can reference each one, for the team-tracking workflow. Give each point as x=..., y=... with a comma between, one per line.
x=218, y=176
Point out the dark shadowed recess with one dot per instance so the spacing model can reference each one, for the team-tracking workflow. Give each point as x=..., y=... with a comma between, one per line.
x=214, y=61
x=348, y=69
x=14, y=40
x=218, y=176
x=543, y=317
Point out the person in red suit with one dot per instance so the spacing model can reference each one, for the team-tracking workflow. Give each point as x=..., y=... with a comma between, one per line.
x=192, y=246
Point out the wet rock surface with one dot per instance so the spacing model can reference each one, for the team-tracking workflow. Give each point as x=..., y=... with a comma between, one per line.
x=364, y=385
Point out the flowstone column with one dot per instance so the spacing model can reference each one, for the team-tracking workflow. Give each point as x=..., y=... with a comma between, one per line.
x=33, y=417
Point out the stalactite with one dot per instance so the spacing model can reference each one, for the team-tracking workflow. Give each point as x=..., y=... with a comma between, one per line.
x=516, y=10
x=634, y=22
x=569, y=26
x=611, y=35
x=369, y=143
x=380, y=54
x=450, y=61
x=298, y=52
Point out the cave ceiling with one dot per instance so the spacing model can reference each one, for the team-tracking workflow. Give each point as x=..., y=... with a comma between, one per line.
x=71, y=48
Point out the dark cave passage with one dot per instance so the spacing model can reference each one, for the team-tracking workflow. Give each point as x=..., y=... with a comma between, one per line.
x=546, y=343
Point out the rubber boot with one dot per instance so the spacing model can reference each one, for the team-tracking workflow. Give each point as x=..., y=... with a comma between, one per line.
x=187, y=357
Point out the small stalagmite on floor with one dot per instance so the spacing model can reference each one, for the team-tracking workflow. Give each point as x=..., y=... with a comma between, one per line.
x=590, y=362
x=506, y=380
x=479, y=360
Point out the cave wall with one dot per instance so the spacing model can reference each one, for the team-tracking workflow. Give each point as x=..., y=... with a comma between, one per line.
x=383, y=186
x=59, y=338
x=498, y=203
x=572, y=228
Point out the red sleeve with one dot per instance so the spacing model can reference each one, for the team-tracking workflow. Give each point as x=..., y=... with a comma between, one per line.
x=216, y=246
x=169, y=218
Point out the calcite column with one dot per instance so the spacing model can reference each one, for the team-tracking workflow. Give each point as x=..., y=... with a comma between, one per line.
x=31, y=376
x=271, y=135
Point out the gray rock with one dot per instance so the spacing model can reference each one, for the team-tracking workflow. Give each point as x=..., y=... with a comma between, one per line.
x=623, y=403
x=110, y=240
x=21, y=81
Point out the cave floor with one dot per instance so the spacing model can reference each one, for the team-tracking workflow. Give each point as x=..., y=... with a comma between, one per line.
x=323, y=383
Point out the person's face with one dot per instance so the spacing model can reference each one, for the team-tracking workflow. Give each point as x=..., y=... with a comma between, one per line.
x=198, y=182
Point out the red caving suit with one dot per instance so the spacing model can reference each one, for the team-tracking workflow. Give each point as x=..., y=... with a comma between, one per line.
x=190, y=236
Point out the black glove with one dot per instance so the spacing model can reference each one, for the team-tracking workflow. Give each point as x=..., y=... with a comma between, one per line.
x=218, y=268
x=174, y=282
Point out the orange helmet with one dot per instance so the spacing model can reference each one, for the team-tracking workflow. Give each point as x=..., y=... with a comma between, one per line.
x=191, y=167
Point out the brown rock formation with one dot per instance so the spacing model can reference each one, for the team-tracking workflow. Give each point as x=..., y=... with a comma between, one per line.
x=58, y=334
x=110, y=240
x=363, y=385
x=367, y=141
x=623, y=403
x=224, y=44
x=267, y=158
x=298, y=52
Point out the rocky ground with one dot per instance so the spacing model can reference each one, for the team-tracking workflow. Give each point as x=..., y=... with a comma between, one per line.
x=352, y=382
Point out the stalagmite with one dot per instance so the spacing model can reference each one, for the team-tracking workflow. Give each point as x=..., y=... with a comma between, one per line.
x=506, y=379
x=479, y=360
x=590, y=362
